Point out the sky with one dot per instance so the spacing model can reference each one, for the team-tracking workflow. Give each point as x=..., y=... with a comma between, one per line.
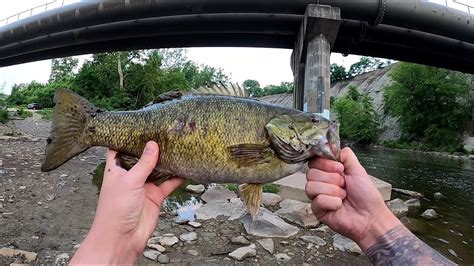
x=268, y=66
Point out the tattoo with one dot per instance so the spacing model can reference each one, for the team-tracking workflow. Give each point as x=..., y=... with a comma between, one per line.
x=400, y=247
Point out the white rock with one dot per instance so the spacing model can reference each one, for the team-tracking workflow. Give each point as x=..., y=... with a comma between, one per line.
x=270, y=199
x=168, y=240
x=398, y=207
x=233, y=210
x=64, y=175
x=158, y=247
x=151, y=254
x=267, y=224
x=429, y=214
x=267, y=244
x=22, y=187
x=195, y=224
x=241, y=240
x=314, y=239
x=193, y=252
x=343, y=243
x=282, y=257
x=244, y=252
x=163, y=259
x=188, y=237
x=438, y=195
x=61, y=259
x=413, y=205
x=198, y=189
x=218, y=193
x=297, y=212
x=323, y=229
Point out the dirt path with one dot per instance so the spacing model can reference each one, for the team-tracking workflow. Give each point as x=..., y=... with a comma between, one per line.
x=50, y=213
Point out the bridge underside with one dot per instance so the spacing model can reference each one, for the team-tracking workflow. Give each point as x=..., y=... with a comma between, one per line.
x=91, y=27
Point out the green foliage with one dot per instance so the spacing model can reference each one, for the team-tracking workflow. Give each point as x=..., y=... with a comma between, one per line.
x=46, y=114
x=432, y=105
x=62, y=68
x=365, y=64
x=4, y=117
x=271, y=188
x=232, y=187
x=23, y=113
x=357, y=117
x=338, y=73
x=256, y=90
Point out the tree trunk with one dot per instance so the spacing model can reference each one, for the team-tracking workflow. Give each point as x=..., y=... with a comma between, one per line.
x=120, y=72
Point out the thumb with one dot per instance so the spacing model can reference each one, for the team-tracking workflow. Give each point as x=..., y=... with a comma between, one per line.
x=140, y=172
x=351, y=164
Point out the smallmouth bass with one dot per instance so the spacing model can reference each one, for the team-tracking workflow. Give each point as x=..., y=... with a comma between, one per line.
x=206, y=138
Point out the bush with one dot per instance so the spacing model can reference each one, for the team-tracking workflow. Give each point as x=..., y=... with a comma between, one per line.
x=232, y=187
x=357, y=117
x=4, y=116
x=23, y=113
x=46, y=114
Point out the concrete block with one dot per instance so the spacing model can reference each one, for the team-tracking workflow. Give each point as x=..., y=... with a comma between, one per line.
x=293, y=187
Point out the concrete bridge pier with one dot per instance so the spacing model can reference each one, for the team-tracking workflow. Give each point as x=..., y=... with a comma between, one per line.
x=310, y=62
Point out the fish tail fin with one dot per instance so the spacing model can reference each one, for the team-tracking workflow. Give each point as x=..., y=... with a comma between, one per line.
x=252, y=197
x=66, y=140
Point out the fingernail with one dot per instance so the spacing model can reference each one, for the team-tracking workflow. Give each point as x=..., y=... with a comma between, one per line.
x=149, y=148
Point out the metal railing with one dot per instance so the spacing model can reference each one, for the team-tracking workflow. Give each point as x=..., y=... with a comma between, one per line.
x=469, y=4
x=35, y=10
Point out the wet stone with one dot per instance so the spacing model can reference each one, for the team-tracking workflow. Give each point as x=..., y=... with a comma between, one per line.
x=429, y=214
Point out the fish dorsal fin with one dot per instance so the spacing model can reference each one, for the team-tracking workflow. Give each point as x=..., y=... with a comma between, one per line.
x=231, y=89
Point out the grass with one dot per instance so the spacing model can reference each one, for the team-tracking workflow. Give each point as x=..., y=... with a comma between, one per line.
x=23, y=113
x=4, y=116
x=46, y=114
x=268, y=188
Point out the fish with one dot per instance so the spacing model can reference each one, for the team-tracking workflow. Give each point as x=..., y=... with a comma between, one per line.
x=215, y=134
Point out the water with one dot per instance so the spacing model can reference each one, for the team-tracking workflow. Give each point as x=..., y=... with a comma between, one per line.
x=427, y=174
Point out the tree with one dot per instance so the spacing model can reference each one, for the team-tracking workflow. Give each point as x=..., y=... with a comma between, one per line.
x=62, y=68
x=253, y=87
x=367, y=64
x=357, y=117
x=430, y=103
x=338, y=73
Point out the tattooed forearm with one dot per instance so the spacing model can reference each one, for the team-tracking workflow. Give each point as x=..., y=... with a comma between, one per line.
x=400, y=247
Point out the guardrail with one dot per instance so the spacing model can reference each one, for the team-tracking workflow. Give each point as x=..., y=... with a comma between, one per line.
x=35, y=10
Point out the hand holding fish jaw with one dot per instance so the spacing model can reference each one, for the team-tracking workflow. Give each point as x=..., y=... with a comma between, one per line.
x=345, y=198
x=127, y=211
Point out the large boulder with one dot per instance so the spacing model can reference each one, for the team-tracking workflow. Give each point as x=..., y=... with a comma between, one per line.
x=297, y=212
x=218, y=193
x=398, y=207
x=267, y=224
x=233, y=209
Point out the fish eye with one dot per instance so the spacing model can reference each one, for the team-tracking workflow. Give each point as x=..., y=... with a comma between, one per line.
x=315, y=120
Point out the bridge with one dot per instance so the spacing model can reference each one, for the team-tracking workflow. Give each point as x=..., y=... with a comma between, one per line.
x=414, y=30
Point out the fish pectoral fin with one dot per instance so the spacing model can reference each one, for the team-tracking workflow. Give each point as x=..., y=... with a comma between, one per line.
x=251, y=195
x=127, y=162
x=248, y=154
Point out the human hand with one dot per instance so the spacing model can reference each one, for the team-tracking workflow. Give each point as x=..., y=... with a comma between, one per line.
x=345, y=198
x=127, y=211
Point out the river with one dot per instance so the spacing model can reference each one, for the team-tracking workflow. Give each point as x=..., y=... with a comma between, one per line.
x=453, y=232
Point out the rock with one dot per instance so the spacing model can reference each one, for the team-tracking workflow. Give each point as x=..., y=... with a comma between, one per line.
x=441, y=240
x=398, y=207
x=270, y=199
x=158, y=247
x=151, y=254
x=195, y=224
x=61, y=259
x=198, y=189
x=413, y=205
x=234, y=210
x=181, y=220
x=323, y=229
x=343, y=243
x=297, y=212
x=64, y=175
x=1, y=163
x=452, y=252
x=282, y=257
x=438, y=195
x=408, y=192
x=218, y=193
x=188, y=237
x=267, y=244
x=168, y=240
x=22, y=187
x=163, y=259
x=244, y=252
x=193, y=252
x=267, y=224
x=240, y=240
x=50, y=197
x=429, y=214
x=314, y=239
x=11, y=252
